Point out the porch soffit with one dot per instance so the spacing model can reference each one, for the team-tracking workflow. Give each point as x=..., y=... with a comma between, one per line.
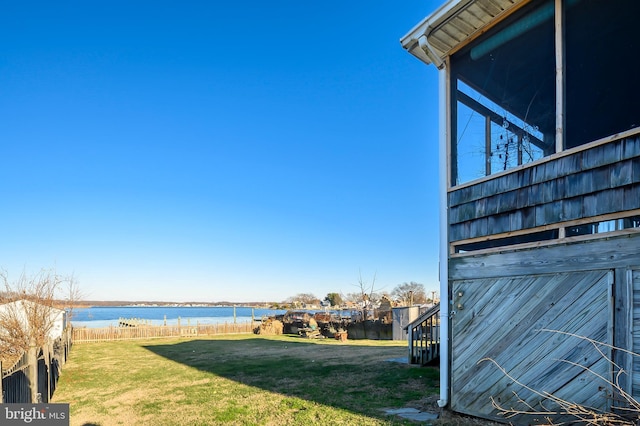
x=450, y=26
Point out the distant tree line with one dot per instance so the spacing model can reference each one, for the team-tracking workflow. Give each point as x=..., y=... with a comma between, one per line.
x=405, y=294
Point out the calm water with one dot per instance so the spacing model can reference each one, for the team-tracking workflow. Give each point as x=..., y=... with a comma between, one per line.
x=105, y=316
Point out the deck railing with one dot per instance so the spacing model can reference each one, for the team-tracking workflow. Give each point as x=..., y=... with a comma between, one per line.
x=424, y=337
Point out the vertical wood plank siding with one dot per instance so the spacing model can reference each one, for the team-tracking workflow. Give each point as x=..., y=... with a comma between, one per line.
x=502, y=319
x=600, y=180
x=635, y=335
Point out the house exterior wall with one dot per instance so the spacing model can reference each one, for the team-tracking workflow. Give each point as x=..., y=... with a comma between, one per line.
x=540, y=300
x=504, y=303
x=501, y=323
x=577, y=185
x=634, y=332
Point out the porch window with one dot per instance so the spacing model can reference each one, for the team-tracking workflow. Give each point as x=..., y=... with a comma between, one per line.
x=602, y=90
x=503, y=96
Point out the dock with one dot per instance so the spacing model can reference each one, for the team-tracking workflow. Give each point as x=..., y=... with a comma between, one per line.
x=133, y=322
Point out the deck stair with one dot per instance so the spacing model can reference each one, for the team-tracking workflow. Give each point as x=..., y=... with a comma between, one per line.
x=423, y=336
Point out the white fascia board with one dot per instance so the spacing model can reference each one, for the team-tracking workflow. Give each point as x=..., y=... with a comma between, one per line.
x=411, y=41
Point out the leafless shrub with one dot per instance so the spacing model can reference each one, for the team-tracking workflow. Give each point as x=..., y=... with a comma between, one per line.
x=628, y=413
x=29, y=310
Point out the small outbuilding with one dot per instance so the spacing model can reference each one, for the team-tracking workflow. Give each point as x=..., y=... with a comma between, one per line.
x=403, y=316
x=21, y=310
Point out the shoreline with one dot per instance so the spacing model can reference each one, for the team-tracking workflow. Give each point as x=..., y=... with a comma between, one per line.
x=140, y=304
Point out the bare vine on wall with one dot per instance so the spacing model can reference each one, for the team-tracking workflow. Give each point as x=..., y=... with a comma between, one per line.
x=550, y=407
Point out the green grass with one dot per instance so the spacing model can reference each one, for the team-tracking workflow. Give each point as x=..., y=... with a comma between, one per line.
x=241, y=380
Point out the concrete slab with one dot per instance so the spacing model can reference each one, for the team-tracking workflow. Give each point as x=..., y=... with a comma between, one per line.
x=411, y=414
x=402, y=360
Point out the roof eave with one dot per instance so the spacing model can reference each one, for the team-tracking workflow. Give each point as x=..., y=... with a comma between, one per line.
x=411, y=41
x=453, y=25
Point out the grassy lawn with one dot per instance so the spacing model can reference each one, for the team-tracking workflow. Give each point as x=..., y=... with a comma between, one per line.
x=241, y=380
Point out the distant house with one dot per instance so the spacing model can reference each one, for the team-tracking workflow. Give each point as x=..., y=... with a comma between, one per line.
x=20, y=310
x=539, y=141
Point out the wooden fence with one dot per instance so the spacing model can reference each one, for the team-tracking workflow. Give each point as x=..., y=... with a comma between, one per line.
x=33, y=377
x=158, y=331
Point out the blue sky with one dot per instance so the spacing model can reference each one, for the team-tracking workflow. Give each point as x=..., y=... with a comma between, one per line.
x=208, y=151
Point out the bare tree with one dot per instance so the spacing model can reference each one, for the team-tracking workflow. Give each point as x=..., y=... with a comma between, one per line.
x=366, y=295
x=410, y=293
x=352, y=298
x=28, y=311
x=72, y=295
x=303, y=299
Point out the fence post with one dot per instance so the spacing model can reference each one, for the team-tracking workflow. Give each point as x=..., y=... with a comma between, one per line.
x=48, y=350
x=1, y=389
x=67, y=338
x=32, y=370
